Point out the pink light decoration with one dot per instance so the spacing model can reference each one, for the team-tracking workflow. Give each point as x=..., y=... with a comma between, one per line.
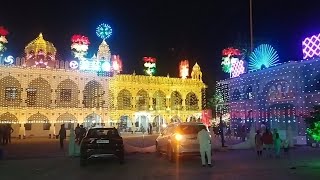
x=311, y=46
x=237, y=67
x=116, y=63
x=184, y=69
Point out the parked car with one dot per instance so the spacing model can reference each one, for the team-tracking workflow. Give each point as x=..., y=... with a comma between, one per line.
x=101, y=143
x=179, y=139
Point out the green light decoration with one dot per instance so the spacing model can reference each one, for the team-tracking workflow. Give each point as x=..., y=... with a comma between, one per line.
x=226, y=64
x=314, y=131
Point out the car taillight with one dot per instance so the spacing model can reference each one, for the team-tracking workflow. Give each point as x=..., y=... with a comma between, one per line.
x=178, y=137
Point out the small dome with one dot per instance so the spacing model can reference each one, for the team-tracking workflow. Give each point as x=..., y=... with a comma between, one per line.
x=40, y=44
x=196, y=67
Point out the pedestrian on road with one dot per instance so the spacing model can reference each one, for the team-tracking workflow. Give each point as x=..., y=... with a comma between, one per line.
x=267, y=140
x=277, y=145
x=205, y=146
x=77, y=132
x=259, y=143
x=9, y=131
x=82, y=133
x=62, y=135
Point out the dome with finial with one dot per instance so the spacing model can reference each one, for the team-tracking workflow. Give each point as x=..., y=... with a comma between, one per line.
x=40, y=45
x=104, y=52
x=196, y=67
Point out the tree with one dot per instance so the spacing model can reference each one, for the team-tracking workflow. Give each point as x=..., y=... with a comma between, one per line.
x=313, y=123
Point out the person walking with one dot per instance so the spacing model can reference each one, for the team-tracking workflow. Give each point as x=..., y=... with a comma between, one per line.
x=77, y=132
x=267, y=140
x=9, y=132
x=258, y=143
x=62, y=135
x=205, y=146
x=82, y=133
x=277, y=145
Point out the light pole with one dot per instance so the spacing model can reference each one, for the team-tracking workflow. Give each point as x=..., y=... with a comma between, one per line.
x=251, y=27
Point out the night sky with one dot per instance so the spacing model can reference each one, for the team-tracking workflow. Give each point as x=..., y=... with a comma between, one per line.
x=170, y=31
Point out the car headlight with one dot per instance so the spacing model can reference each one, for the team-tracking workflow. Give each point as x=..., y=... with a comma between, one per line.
x=178, y=137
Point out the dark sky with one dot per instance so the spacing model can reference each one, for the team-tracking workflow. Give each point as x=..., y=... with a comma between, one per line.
x=168, y=30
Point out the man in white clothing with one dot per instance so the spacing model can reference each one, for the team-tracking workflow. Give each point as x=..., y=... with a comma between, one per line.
x=205, y=146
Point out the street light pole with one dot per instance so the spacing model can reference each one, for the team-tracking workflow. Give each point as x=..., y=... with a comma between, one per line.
x=251, y=27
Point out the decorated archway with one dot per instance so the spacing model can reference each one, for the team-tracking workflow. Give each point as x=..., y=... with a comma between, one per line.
x=176, y=101
x=92, y=120
x=125, y=123
x=142, y=100
x=11, y=120
x=124, y=100
x=159, y=100
x=159, y=122
x=192, y=101
x=93, y=95
x=39, y=93
x=10, y=91
x=67, y=94
x=37, y=125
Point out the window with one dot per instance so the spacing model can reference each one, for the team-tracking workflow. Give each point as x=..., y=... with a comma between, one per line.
x=31, y=96
x=65, y=95
x=95, y=133
x=11, y=93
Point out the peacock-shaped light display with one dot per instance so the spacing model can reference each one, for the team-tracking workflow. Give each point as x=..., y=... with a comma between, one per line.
x=263, y=56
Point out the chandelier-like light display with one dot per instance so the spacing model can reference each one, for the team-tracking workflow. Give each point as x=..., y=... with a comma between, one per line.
x=311, y=46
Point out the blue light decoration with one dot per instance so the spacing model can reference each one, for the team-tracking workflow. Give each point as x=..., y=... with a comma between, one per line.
x=263, y=56
x=9, y=60
x=104, y=31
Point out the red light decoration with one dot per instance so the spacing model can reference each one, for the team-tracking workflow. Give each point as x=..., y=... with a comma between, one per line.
x=77, y=38
x=149, y=59
x=231, y=52
x=184, y=69
x=3, y=31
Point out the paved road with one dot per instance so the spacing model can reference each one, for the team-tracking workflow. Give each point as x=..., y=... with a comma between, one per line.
x=305, y=164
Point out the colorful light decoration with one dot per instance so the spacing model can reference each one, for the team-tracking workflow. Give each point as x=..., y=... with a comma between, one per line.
x=314, y=132
x=263, y=56
x=79, y=46
x=184, y=69
x=9, y=60
x=3, y=41
x=237, y=67
x=149, y=65
x=104, y=31
x=74, y=64
x=231, y=63
x=116, y=63
x=311, y=46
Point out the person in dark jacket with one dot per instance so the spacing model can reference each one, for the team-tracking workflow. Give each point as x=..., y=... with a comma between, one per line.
x=62, y=135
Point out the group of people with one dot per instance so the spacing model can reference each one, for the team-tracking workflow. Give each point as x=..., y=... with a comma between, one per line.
x=79, y=131
x=271, y=142
x=5, y=133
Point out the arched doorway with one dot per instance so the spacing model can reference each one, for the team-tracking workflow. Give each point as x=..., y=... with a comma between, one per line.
x=159, y=122
x=67, y=119
x=142, y=121
x=93, y=95
x=159, y=100
x=38, y=125
x=125, y=123
x=8, y=118
x=93, y=120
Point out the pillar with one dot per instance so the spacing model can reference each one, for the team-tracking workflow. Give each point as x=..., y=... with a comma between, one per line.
x=80, y=97
x=150, y=103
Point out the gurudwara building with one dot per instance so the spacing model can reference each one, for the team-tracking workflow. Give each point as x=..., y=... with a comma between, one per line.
x=38, y=93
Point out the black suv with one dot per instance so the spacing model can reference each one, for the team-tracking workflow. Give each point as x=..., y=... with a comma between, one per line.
x=101, y=143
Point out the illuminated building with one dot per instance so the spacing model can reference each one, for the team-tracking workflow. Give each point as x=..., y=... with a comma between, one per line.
x=39, y=92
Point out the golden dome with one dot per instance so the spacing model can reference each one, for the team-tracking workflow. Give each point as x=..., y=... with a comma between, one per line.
x=196, y=67
x=40, y=44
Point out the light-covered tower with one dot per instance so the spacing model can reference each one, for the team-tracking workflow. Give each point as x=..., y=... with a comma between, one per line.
x=104, y=52
x=196, y=72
